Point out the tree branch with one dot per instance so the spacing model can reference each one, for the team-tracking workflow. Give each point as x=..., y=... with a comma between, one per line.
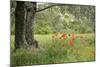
x=46, y=7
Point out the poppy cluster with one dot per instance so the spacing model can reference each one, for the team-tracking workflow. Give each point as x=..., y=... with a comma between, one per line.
x=73, y=36
x=64, y=36
x=71, y=42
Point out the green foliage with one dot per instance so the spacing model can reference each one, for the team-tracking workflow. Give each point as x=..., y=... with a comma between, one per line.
x=65, y=18
x=61, y=18
x=52, y=51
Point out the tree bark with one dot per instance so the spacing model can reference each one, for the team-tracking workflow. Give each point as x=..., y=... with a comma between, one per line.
x=19, y=24
x=24, y=18
x=30, y=8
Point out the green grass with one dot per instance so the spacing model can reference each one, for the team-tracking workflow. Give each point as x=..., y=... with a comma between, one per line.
x=52, y=51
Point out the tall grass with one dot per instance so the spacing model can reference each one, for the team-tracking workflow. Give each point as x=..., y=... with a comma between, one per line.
x=55, y=51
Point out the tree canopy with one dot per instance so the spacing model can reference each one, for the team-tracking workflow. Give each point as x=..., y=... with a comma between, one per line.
x=62, y=18
x=65, y=18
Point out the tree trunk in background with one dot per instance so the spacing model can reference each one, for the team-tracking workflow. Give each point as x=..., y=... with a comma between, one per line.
x=24, y=17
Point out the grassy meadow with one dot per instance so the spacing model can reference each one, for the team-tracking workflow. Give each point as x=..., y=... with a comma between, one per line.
x=53, y=49
x=65, y=33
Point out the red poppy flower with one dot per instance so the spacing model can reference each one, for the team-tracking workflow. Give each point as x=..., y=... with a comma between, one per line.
x=73, y=36
x=71, y=42
x=64, y=36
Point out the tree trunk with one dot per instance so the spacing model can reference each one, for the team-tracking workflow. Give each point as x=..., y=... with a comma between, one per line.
x=30, y=13
x=19, y=24
x=24, y=18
